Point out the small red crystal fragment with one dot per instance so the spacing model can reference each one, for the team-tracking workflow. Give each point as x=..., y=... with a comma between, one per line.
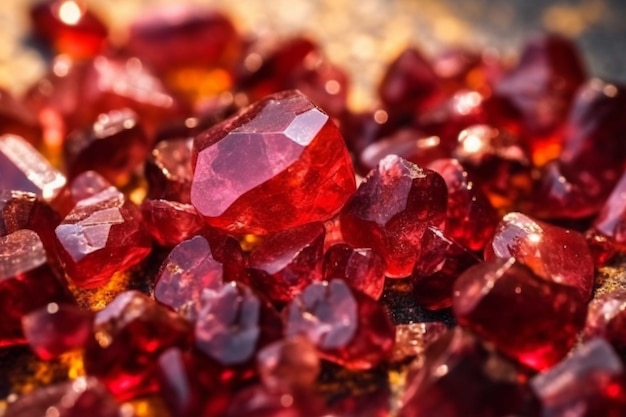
x=271, y=156
x=553, y=253
x=490, y=296
x=289, y=365
x=25, y=169
x=114, y=146
x=99, y=229
x=26, y=283
x=391, y=210
x=187, y=271
x=84, y=185
x=606, y=318
x=461, y=378
x=347, y=327
x=17, y=119
x=78, y=398
x=441, y=262
x=170, y=222
x=69, y=27
x=611, y=222
x=286, y=262
x=361, y=268
x=56, y=329
x=168, y=170
x=588, y=383
x=471, y=219
x=128, y=337
x=233, y=324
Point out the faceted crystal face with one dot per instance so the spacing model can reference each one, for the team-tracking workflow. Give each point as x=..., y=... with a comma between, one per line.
x=168, y=170
x=588, y=383
x=25, y=169
x=271, y=155
x=362, y=268
x=128, y=337
x=391, y=210
x=27, y=281
x=606, y=318
x=611, y=222
x=84, y=185
x=170, y=222
x=553, y=253
x=98, y=229
x=286, y=262
x=490, y=296
x=347, y=326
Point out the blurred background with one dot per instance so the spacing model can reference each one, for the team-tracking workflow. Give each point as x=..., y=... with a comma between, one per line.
x=363, y=35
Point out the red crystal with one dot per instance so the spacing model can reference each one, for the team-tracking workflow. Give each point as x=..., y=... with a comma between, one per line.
x=461, y=378
x=26, y=283
x=78, y=398
x=326, y=84
x=114, y=146
x=606, y=318
x=347, y=327
x=471, y=219
x=391, y=210
x=553, y=253
x=441, y=262
x=99, y=229
x=84, y=185
x=25, y=169
x=17, y=119
x=489, y=297
x=271, y=155
x=362, y=268
x=286, y=262
x=610, y=223
x=589, y=383
x=128, y=337
x=168, y=170
x=56, y=329
x=234, y=323
x=188, y=270
x=170, y=222
x=69, y=26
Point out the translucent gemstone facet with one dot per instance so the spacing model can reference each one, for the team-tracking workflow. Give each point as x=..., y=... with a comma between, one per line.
x=347, y=326
x=286, y=262
x=100, y=228
x=170, y=222
x=168, y=170
x=361, y=268
x=128, y=337
x=606, y=318
x=489, y=297
x=611, y=221
x=283, y=154
x=391, y=210
x=553, y=253
x=84, y=185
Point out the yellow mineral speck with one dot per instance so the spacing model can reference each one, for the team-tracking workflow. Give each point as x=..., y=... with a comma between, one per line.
x=74, y=363
x=249, y=242
x=146, y=407
x=98, y=298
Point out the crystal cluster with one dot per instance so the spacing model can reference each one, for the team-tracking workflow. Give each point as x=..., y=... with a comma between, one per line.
x=265, y=251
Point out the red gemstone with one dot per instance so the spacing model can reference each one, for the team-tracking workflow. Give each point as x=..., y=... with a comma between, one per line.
x=289, y=365
x=362, y=268
x=413, y=339
x=25, y=169
x=589, y=383
x=17, y=119
x=553, y=253
x=233, y=324
x=26, y=283
x=170, y=222
x=611, y=222
x=271, y=155
x=188, y=270
x=128, y=337
x=114, y=146
x=286, y=262
x=69, y=27
x=441, y=262
x=547, y=316
x=606, y=318
x=461, y=378
x=99, y=229
x=391, y=210
x=326, y=84
x=471, y=219
x=168, y=170
x=85, y=185
x=347, y=327
x=56, y=329
x=78, y=398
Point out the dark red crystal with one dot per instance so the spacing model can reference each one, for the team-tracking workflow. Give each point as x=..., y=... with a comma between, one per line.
x=168, y=170
x=170, y=222
x=362, y=268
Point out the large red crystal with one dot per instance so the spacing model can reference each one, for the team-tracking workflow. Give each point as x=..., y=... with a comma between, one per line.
x=526, y=317
x=128, y=337
x=361, y=268
x=553, y=253
x=391, y=210
x=100, y=229
x=347, y=326
x=282, y=154
x=286, y=262
x=26, y=283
